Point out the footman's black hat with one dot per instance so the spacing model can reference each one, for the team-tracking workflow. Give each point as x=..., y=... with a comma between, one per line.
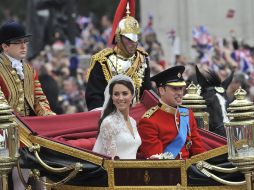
x=12, y=31
x=171, y=77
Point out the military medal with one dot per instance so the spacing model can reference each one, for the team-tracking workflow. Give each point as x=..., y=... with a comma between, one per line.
x=189, y=142
x=188, y=145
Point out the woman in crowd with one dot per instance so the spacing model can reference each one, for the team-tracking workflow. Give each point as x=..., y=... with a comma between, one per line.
x=118, y=135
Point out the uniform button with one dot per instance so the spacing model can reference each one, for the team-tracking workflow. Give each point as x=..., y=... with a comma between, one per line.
x=13, y=72
x=18, y=109
x=21, y=90
x=18, y=81
x=21, y=100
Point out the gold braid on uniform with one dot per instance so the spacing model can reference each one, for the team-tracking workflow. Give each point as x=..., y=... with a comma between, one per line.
x=29, y=85
x=10, y=81
x=41, y=105
x=135, y=72
x=101, y=57
x=142, y=51
x=139, y=72
x=14, y=86
x=137, y=69
x=150, y=112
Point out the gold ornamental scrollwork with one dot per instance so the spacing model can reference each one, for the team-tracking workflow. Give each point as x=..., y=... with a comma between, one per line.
x=147, y=177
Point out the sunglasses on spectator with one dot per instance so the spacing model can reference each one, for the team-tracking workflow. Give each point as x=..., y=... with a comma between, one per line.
x=20, y=41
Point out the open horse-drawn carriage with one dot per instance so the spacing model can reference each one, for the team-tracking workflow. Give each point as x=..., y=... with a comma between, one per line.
x=60, y=148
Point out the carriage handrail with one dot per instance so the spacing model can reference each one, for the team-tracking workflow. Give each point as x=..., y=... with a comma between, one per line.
x=36, y=148
x=216, y=168
x=36, y=174
x=27, y=187
x=71, y=175
x=202, y=165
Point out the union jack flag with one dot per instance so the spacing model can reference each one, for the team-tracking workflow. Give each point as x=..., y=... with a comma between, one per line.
x=244, y=59
x=202, y=38
x=203, y=43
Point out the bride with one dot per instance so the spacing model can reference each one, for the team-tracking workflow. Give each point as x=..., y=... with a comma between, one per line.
x=118, y=135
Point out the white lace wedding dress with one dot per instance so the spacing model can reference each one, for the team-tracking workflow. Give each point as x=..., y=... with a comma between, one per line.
x=115, y=139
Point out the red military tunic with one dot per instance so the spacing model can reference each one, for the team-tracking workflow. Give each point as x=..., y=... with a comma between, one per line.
x=158, y=129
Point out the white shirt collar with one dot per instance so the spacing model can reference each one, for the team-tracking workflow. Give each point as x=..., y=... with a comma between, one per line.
x=12, y=59
x=18, y=65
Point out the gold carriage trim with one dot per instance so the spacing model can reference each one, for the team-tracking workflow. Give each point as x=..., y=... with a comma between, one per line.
x=207, y=155
x=178, y=187
x=112, y=165
x=29, y=140
x=143, y=166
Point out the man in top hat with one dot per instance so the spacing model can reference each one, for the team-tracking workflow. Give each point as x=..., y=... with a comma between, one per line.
x=19, y=81
x=169, y=127
x=123, y=58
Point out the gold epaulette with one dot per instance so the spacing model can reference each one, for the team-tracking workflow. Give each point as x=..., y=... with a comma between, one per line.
x=142, y=51
x=150, y=112
x=101, y=57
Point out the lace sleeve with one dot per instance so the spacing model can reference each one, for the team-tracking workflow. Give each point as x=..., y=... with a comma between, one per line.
x=108, y=135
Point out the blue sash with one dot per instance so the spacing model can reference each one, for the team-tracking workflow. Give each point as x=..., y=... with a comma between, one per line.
x=177, y=144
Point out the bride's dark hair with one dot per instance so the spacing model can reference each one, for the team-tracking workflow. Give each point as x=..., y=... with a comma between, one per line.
x=110, y=108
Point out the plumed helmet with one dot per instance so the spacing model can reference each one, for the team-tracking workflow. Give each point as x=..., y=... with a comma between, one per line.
x=124, y=22
x=12, y=31
x=128, y=27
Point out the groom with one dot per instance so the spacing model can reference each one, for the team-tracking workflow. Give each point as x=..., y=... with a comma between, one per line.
x=169, y=127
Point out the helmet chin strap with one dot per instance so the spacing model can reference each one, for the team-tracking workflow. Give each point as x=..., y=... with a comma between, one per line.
x=123, y=48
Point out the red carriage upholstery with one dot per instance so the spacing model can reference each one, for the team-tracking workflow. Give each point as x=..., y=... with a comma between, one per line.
x=77, y=130
x=80, y=129
x=211, y=140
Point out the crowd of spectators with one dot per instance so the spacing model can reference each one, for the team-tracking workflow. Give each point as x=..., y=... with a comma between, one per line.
x=63, y=67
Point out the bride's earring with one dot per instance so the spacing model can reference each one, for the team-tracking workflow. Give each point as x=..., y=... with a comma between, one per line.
x=132, y=102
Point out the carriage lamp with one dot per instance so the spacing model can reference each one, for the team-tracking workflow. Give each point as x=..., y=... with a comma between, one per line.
x=8, y=141
x=240, y=135
x=193, y=100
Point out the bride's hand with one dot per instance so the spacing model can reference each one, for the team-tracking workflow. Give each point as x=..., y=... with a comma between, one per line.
x=154, y=157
